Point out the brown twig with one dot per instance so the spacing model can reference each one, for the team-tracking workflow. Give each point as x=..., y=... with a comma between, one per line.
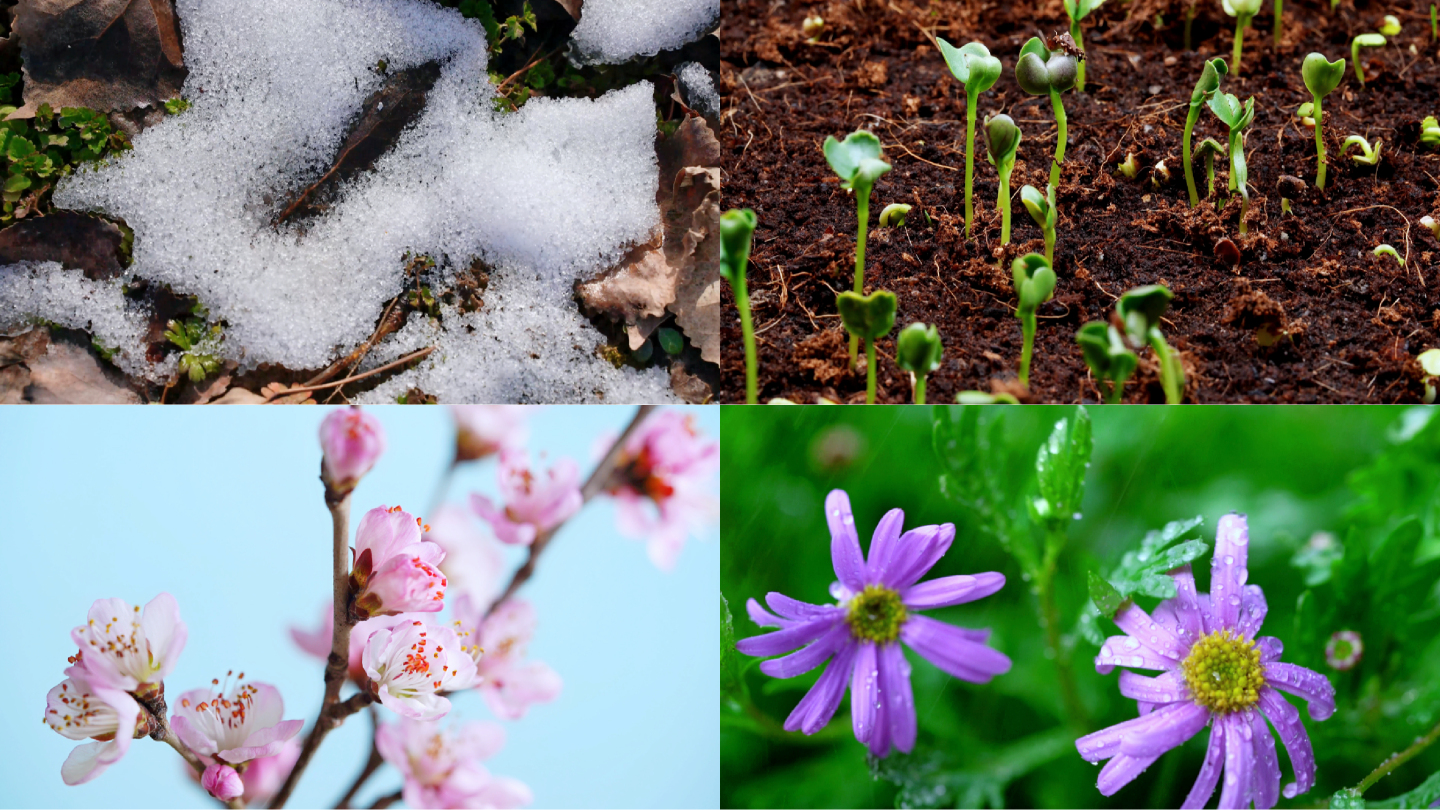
x=160, y=730
x=300, y=389
x=501, y=88
x=386, y=801
x=371, y=765
x=353, y=359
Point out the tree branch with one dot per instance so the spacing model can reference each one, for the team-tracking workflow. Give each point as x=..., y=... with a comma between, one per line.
x=386, y=801
x=371, y=765
x=160, y=731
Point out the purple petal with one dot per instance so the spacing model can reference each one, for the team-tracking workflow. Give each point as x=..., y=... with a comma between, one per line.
x=844, y=543
x=762, y=617
x=819, y=704
x=1166, y=688
x=1303, y=683
x=864, y=702
x=884, y=546
x=1270, y=648
x=1227, y=572
x=1286, y=719
x=1106, y=742
x=1139, y=626
x=952, y=649
x=783, y=641
x=1186, y=603
x=1182, y=723
x=1164, y=615
x=1252, y=611
x=1209, y=774
x=1120, y=772
x=806, y=659
x=956, y=590
x=1266, y=779
x=920, y=549
x=795, y=610
x=899, y=702
x=1239, y=759
x=1125, y=651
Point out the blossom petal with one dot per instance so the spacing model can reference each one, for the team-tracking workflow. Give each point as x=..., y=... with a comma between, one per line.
x=809, y=657
x=783, y=641
x=267, y=707
x=1186, y=603
x=795, y=610
x=164, y=632
x=1106, y=742
x=953, y=649
x=1266, y=778
x=864, y=702
x=956, y=590
x=1181, y=724
x=1138, y=625
x=1228, y=572
x=814, y=710
x=1303, y=683
x=844, y=543
x=1270, y=648
x=1286, y=719
x=423, y=706
x=1166, y=688
x=1120, y=772
x=1209, y=775
x=1126, y=651
x=191, y=736
x=920, y=549
x=88, y=761
x=266, y=742
x=1252, y=611
x=899, y=701
x=1239, y=760
x=884, y=547
x=762, y=617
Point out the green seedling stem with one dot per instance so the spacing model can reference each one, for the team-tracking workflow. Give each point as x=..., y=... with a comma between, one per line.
x=1109, y=358
x=1237, y=117
x=973, y=65
x=1189, y=18
x=1140, y=311
x=1210, y=78
x=1279, y=8
x=1039, y=72
x=1078, y=10
x=918, y=351
x=1243, y=11
x=1209, y=148
x=1364, y=41
x=1060, y=137
x=1434, y=25
x=856, y=160
x=870, y=317
x=736, y=230
x=1004, y=139
x=1321, y=77
x=1042, y=210
x=1034, y=284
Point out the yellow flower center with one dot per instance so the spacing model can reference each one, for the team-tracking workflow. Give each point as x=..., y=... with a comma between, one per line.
x=876, y=614
x=1224, y=673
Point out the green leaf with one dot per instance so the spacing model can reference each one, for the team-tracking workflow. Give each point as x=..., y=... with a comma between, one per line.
x=16, y=183
x=1321, y=75
x=1003, y=137
x=1423, y=796
x=940, y=778
x=1061, y=465
x=1106, y=599
x=867, y=316
x=1395, y=555
x=1145, y=571
x=732, y=685
x=845, y=156
x=918, y=349
x=20, y=148
x=966, y=450
x=671, y=340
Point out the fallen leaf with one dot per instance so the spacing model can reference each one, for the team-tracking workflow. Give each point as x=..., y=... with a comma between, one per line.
x=688, y=386
x=571, y=6
x=74, y=240
x=239, y=396
x=205, y=391
x=70, y=373
x=695, y=239
x=102, y=54
x=13, y=382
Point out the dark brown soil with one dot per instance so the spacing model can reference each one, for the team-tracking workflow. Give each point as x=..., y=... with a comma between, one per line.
x=1337, y=323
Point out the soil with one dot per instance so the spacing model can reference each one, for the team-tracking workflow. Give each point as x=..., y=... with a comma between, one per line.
x=1308, y=315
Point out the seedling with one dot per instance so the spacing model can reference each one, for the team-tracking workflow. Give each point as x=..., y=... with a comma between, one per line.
x=1386, y=250
x=1209, y=83
x=177, y=105
x=1004, y=139
x=1209, y=149
x=1306, y=113
x=1034, y=284
x=1321, y=77
x=1430, y=361
x=985, y=398
x=737, y=226
x=1432, y=224
x=198, y=342
x=1364, y=41
x=812, y=27
x=1391, y=26
x=893, y=215
x=1434, y=24
x=1140, y=310
x=918, y=350
x=1129, y=167
x=670, y=340
x=1042, y=210
x=857, y=161
x=1430, y=131
x=1366, y=155
x=1237, y=117
x=1041, y=71
x=973, y=65
x=1160, y=175
x=1109, y=358
x=1078, y=10
x=870, y=317
x=1279, y=7
x=1243, y=11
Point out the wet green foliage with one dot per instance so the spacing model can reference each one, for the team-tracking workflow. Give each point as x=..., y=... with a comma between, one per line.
x=35, y=153
x=198, y=340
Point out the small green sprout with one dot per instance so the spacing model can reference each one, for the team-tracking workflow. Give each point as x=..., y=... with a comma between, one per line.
x=1129, y=167
x=176, y=105
x=1208, y=150
x=1363, y=41
x=870, y=317
x=1391, y=25
x=857, y=162
x=973, y=65
x=1110, y=359
x=1321, y=77
x=1243, y=11
x=1434, y=24
x=893, y=215
x=918, y=350
x=1078, y=10
x=198, y=342
x=1042, y=210
x=1279, y=8
x=985, y=398
x=736, y=229
x=812, y=27
x=670, y=340
x=1237, y=117
x=1432, y=224
x=1043, y=72
x=1160, y=175
x=1366, y=155
x=1034, y=284
x=1430, y=131
x=1430, y=362
x=1209, y=83
x=1386, y=250
x=1004, y=138
x=1306, y=113
x=1140, y=311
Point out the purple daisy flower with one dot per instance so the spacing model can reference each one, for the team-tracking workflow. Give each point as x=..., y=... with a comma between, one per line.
x=877, y=600
x=1216, y=673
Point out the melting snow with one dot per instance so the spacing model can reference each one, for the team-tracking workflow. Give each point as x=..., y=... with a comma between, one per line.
x=612, y=31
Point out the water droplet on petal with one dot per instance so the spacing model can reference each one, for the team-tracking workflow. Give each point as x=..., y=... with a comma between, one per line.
x=1235, y=600
x=1229, y=560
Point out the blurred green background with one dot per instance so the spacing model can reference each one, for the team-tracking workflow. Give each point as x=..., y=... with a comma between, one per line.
x=1352, y=473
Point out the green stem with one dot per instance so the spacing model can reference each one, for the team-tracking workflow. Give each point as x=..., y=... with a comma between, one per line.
x=1113, y=395
x=1050, y=618
x=1027, y=328
x=1190, y=119
x=862, y=208
x=1355, y=57
x=1279, y=7
x=1319, y=146
x=1172, y=378
x=920, y=389
x=1079, y=66
x=1240, y=22
x=1396, y=760
x=1050, y=246
x=870, y=371
x=1059, y=138
x=1189, y=17
x=970, y=99
x=1210, y=174
x=1004, y=205
x=747, y=330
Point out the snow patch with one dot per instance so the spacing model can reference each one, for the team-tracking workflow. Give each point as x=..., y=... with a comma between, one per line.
x=613, y=31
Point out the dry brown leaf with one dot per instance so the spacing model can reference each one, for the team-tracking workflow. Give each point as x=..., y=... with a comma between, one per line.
x=69, y=373
x=102, y=54
x=572, y=7
x=239, y=396
x=74, y=240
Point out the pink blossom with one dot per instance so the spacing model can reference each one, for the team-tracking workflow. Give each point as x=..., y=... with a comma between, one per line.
x=222, y=782
x=508, y=682
x=352, y=441
x=264, y=775
x=473, y=562
x=235, y=726
x=396, y=568
x=79, y=710
x=442, y=768
x=533, y=504
x=317, y=642
x=123, y=649
x=484, y=430
x=411, y=663
x=661, y=484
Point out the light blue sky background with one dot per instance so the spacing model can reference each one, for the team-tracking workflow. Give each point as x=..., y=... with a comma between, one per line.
x=223, y=508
